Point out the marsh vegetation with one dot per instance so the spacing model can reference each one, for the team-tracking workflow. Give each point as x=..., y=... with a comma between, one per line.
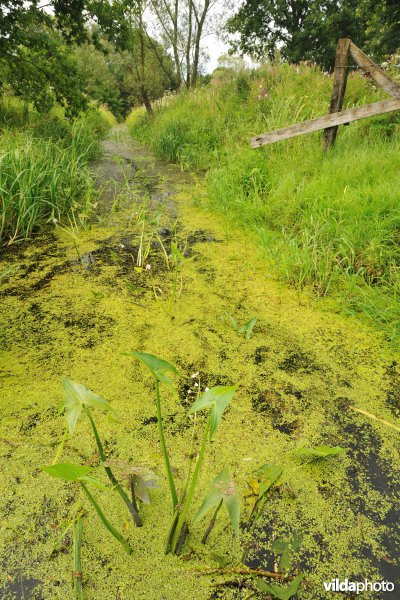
x=198, y=341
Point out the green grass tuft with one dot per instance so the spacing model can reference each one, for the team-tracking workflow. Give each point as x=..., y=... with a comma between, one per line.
x=44, y=171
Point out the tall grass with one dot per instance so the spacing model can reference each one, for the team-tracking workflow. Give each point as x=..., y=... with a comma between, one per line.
x=44, y=171
x=330, y=222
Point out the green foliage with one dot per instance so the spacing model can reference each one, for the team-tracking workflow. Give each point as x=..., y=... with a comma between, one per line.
x=44, y=173
x=157, y=366
x=382, y=32
x=279, y=592
x=263, y=478
x=318, y=452
x=110, y=75
x=76, y=396
x=310, y=30
x=286, y=551
x=35, y=55
x=328, y=223
x=67, y=471
x=222, y=489
x=216, y=399
x=40, y=181
x=246, y=329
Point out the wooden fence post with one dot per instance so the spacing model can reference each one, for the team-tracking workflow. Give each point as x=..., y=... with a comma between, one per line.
x=339, y=88
x=375, y=72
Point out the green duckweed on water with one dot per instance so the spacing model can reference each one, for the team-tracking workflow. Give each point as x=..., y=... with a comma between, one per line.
x=302, y=369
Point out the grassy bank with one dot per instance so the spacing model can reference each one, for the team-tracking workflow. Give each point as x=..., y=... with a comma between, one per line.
x=44, y=171
x=328, y=222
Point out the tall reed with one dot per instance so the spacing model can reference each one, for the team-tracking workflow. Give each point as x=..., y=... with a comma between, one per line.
x=41, y=180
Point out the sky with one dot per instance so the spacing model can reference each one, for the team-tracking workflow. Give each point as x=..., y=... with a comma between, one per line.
x=215, y=48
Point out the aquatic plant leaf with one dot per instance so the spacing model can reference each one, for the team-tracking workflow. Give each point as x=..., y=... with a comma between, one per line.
x=232, y=321
x=75, y=396
x=158, y=367
x=217, y=399
x=66, y=471
x=143, y=478
x=211, y=500
x=222, y=561
x=281, y=593
x=232, y=504
x=71, y=472
x=318, y=451
x=176, y=254
x=286, y=550
x=222, y=488
x=267, y=475
x=141, y=484
x=248, y=327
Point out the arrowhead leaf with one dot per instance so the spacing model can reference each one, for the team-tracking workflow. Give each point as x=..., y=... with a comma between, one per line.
x=71, y=472
x=222, y=488
x=248, y=327
x=232, y=504
x=212, y=499
x=66, y=471
x=75, y=396
x=267, y=475
x=217, y=399
x=157, y=366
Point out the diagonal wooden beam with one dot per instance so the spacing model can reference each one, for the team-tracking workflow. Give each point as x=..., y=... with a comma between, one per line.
x=377, y=74
x=339, y=88
x=332, y=120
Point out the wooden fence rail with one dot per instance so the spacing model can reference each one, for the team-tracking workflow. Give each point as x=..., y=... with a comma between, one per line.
x=330, y=122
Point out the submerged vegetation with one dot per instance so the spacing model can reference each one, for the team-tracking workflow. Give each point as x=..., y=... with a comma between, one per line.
x=326, y=222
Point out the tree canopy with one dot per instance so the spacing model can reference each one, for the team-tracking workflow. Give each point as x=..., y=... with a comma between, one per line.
x=309, y=29
x=34, y=56
x=69, y=51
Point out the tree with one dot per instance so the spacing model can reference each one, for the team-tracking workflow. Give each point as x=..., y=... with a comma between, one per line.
x=34, y=56
x=382, y=32
x=117, y=77
x=182, y=25
x=298, y=29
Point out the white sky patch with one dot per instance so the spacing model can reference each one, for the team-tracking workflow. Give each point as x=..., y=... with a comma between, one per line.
x=214, y=48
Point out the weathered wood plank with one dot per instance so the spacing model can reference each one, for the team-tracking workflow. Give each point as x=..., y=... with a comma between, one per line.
x=377, y=74
x=339, y=88
x=339, y=118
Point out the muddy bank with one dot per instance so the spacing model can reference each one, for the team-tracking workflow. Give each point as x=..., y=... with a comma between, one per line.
x=73, y=309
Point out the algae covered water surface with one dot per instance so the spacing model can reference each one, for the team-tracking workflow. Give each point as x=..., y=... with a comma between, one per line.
x=73, y=308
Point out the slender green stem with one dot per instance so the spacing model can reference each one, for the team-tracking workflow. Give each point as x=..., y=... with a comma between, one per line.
x=172, y=488
x=61, y=446
x=133, y=493
x=135, y=516
x=164, y=250
x=192, y=488
x=211, y=524
x=105, y=521
x=173, y=292
x=171, y=531
x=77, y=543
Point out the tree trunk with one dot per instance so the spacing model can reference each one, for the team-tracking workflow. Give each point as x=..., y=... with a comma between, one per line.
x=175, y=45
x=199, y=32
x=188, y=46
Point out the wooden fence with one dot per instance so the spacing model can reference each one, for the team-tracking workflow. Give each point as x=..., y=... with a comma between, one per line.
x=329, y=123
